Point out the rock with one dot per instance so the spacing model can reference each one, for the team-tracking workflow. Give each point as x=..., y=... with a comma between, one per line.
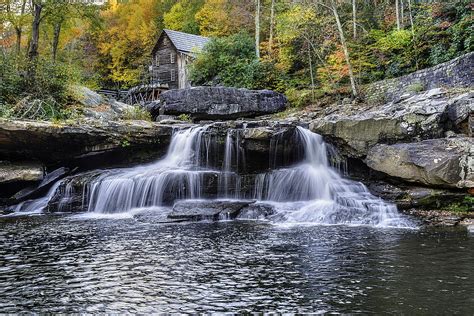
x=460, y=110
x=218, y=102
x=39, y=190
x=422, y=116
x=407, y=196
x=207, y=209
x=444, y=162
x=87, y=97
x=98, y=107
x=256, y=211
x=51, y=142
x=20, y=172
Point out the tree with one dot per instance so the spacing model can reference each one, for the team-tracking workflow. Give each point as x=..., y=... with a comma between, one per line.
x=257, y=28
x=213, y=18
x=333, y=8
x=182, y=18
x=16, y=14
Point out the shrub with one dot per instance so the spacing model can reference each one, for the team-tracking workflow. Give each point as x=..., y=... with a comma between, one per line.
x=41, y=94
x=136, y=113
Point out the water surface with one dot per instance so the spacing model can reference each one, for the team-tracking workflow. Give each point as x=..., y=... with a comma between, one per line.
x=63, y=263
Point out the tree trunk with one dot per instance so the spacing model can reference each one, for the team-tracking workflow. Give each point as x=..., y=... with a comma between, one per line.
x=411, y=19
x=397, y=13
x=57, y=32
x=402, y=14
x=19, y=28
x=354, y=18
x=344, y=48
x=272, y=21
x=257, y=29
x=18, y=32
x=311, y=73
x=33, y=48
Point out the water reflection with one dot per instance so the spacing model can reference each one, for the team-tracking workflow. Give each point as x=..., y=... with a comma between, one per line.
x=137, y=265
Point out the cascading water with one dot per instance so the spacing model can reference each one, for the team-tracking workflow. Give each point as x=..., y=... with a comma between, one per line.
x=309, y=191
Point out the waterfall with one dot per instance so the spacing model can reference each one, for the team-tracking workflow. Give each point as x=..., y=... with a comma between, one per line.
x=320, y=195
x=37, y=205
x=142, y=186
x=311, y=190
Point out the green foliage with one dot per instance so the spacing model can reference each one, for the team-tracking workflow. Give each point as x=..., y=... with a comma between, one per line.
x=184, y=117
x=43, y=94
x=416, y=87
x=299, y=97
x=231, y=61
x=136, y=113
x=464, y=206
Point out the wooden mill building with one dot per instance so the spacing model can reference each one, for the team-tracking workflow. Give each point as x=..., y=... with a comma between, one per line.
x=171, y=55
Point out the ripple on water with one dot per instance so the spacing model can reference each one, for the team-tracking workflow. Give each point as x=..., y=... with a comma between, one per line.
x=137, y=265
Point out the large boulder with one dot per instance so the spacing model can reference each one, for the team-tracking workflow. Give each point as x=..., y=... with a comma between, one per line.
x=444, y=162
x=219, y=102
x=422, y=116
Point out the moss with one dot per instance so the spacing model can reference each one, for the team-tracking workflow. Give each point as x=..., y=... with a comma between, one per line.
x=416, y=87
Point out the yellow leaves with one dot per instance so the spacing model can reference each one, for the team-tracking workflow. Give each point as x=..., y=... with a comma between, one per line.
x=128, y=37
x=213, y=18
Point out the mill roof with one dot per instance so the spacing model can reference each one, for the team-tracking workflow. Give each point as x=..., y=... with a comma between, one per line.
x=184, y=42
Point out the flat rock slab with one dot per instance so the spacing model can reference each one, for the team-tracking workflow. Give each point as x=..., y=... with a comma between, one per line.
x=196, y=210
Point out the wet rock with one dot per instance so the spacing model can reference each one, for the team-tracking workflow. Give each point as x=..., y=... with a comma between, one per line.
x=435, y=217
x=196, y=210
x=39, y=190
x=422, y=116
x=256, y=211
x=218, y=103
x=444, y=162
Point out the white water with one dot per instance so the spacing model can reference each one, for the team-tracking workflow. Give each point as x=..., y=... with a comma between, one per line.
x=308, y=192
x=37, y=205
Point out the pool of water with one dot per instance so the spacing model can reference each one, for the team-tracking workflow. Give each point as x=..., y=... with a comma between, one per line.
x=66, y=263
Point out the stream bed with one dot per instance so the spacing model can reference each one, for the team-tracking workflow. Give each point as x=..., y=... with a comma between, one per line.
x=78, y=263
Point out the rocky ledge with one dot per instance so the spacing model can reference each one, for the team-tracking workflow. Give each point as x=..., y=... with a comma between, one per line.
x=355, y=129
x=58, y=142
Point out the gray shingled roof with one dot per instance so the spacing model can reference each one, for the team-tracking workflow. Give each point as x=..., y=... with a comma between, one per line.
x=185, y=42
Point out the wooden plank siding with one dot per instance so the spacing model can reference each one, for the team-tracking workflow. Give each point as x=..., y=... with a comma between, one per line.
x=165, y=63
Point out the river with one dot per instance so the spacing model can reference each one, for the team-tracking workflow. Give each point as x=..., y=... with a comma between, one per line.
x=135, y=264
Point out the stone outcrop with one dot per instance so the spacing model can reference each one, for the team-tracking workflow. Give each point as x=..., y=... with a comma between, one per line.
x=50, y=142
x=422, y=116
x=218, y=103
x=98, y=107
x=11, y=172
x=444, y=162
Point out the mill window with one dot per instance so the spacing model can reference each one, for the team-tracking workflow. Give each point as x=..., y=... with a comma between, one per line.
x=173, y=75
x=172, y=58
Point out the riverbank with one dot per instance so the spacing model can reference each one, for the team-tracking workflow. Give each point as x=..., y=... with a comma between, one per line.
x=416, y=151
